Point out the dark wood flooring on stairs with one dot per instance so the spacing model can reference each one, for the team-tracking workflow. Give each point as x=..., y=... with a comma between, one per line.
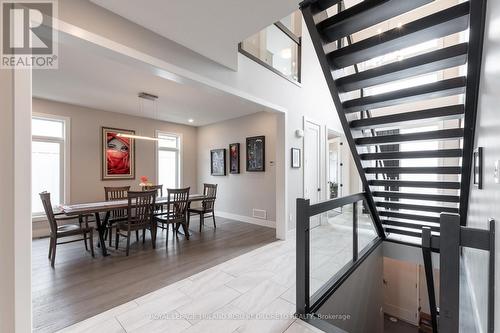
x=80, y=287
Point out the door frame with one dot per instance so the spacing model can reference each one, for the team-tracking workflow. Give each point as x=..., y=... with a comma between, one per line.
x=320, y=155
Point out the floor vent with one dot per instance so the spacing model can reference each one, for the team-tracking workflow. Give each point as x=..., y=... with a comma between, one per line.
x=259, y=213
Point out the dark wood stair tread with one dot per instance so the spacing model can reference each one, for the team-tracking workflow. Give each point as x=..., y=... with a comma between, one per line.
x=443, y=88
x=446, y=134
x=400, y=119
x=440, y=24
x=363, y=15
x=448, y=57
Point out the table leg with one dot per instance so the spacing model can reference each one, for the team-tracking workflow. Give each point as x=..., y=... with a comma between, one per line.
x=185, y=227
x=101, y=228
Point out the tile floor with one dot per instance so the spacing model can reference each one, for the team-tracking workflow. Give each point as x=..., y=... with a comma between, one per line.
x=254, y=292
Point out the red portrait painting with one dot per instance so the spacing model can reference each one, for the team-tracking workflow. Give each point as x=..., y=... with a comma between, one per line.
x=118, y=151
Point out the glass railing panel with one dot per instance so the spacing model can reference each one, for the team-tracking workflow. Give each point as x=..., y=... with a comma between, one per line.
x=331, y=245
x=366, y=228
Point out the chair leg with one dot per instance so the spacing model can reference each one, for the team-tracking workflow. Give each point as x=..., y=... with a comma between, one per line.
x=213, y=217
x=143, y=235
x=80, y=222
x=153, y=234
x=201, y=220
x=166, y=237
x=137, y=235
x=186, y=230
x=50, y=248
x=91, y=241
x=54, y=246
x=109, y=231
x=128, y=241
x=117, y=238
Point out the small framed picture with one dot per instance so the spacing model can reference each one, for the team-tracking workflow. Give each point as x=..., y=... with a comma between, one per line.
x=295, y=158
x=478, y=167
x=218, y=162
x=234, y=158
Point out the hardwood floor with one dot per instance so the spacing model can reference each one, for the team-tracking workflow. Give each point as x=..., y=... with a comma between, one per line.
x=80, y=287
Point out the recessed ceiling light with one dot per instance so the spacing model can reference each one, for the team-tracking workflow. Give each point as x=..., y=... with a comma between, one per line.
x=400, y=24
x=190, y=120
x=379, y=31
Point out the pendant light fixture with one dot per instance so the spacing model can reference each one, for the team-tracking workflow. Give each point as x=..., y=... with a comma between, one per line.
x=144, y=96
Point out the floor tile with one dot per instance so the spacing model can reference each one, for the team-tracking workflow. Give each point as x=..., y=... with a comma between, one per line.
x=256, y=299
x=208, y=303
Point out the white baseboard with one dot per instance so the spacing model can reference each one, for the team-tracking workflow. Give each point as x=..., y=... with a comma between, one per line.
x=247, y=219
x=400, y=313
x=473, y=298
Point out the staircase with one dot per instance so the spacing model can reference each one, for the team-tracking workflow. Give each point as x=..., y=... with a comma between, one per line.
x=404, y=77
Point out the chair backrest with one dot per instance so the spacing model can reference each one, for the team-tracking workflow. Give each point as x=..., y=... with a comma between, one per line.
x=47, y=206
x=178, y=202
x=157, y=188
x=140, y=207
x=209, y=190
x=113, y=193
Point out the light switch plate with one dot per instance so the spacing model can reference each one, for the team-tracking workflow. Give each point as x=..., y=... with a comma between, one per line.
x=497, y=171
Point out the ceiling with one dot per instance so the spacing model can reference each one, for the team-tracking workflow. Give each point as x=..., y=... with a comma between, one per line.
x=87, y=79
x=211, y=28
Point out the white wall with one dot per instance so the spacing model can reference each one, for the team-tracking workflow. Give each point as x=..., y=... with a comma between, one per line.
x=252, y=81
x=238, y=194
x=484, y=204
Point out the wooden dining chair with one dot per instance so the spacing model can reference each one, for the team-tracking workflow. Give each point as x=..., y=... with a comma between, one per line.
x=139, y=216
x=175, y=213
x=113, y=193
x=207, y=205
x=158, y=210
x=66, y=230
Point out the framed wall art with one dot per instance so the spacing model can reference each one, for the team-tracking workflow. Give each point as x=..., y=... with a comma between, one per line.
x=234, y=158
x=218, y=162
x=256, y=153
x=117, y=155
x=295, y=158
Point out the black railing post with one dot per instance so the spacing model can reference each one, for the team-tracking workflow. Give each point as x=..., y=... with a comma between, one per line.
x=429, y=274
x=302, y=258
x=449, y=263
x=491, y=280
x=355, y=231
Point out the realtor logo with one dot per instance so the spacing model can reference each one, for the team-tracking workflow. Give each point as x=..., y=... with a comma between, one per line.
x=28, y=34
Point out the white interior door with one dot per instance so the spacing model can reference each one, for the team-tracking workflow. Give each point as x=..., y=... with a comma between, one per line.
x=401, y=294
x=312, y=165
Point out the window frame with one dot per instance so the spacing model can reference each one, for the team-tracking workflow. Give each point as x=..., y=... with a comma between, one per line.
x=178, y=150
x=296, y=39
x=65, y=146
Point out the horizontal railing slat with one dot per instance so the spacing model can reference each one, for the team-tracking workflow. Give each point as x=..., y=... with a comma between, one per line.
x=325, y=206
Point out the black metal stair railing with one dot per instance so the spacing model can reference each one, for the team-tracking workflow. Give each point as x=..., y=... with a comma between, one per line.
x=453, y=237
x=307, y=304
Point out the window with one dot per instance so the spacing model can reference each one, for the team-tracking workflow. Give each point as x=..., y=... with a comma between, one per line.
x=277, y=47
x=168, y=159
x=49, y=158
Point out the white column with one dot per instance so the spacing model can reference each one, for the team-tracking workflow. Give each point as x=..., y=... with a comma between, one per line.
x=15, y=200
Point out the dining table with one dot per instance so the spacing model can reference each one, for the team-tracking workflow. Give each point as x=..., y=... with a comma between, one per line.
x=106, y=207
